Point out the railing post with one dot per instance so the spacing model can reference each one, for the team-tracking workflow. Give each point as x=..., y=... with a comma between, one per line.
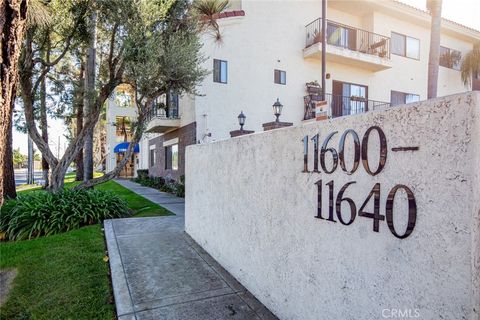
x=324, y=45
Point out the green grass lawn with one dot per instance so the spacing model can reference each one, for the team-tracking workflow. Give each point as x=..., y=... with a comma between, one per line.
x=58, y=277
x=64, y=276
x=141, y=207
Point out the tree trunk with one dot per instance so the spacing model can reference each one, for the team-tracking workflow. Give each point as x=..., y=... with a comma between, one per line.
x=44, y=128
x=435, y=8
x=8, y=170
x=103, y=150
x=79, y=108
x=30, y=166
x=59, y=166
x=13, y=14
x=90, y=98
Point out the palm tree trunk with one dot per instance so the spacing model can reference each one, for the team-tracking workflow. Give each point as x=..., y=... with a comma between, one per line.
x=435, y=8
x=13, y=15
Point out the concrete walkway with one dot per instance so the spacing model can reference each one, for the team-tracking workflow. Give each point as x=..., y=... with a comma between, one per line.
x=159, y=272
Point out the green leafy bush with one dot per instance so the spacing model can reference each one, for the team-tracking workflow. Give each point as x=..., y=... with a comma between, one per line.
x=180, y=190
x=164, y=185
x=142, y=174
x=44, y=213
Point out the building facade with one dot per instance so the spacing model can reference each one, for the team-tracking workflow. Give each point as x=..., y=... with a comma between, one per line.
x=377, y=55
x=120, y=114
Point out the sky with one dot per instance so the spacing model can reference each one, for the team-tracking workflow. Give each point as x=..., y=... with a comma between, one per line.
x=466, y=12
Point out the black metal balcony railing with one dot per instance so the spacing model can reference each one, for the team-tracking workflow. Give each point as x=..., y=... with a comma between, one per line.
x=162, y=113
x=351, y=38
x=340, y=105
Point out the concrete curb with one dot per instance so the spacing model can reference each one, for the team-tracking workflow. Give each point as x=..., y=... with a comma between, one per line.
x=121, y=291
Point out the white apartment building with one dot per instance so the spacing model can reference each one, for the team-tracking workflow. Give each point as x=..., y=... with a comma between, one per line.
x=120, y=113
x=377, y=54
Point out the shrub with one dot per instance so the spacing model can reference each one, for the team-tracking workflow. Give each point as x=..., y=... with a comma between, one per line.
x=180, y=190
x=164, y=185
x=43, y=213
x=142, y=174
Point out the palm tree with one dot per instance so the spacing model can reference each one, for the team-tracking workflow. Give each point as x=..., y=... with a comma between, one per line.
x=435, y=8
x=208, y=11
x=471, y=64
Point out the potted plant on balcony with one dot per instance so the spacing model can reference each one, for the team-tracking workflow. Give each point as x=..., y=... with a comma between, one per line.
x=313, y=87
x=358, y=98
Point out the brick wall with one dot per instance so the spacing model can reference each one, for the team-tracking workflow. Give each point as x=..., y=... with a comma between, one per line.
x=186, y=136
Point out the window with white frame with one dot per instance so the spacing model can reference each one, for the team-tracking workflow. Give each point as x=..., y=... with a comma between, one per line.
x=220, y=71
x=397, y=98
x=450, y=58
x=152, y=156
x=171, y=157
x=405, y=46
x=280, y=76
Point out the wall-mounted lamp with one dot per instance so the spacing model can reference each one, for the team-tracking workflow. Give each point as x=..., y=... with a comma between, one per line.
x=277, y=109
x=241, y=120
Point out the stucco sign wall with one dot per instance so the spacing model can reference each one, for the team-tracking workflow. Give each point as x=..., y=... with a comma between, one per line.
x=363, y=217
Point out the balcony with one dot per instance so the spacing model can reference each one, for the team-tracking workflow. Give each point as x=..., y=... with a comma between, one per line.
x=348, y=45
x=341, y=105
x=161, y=120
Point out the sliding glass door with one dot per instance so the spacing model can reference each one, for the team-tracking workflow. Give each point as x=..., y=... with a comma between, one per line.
x=348, y=98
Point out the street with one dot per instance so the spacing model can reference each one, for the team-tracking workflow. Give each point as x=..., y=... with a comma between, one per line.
x=21, y=176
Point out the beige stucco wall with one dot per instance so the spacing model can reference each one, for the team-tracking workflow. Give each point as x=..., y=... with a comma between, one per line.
x=250, y=206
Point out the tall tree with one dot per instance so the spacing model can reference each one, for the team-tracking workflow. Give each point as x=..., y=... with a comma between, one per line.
x=18, y=158
x=471, y=64
x=30, y=162
x=78, y=107
x=12, y=23
x=89, y=95
x=161, y=53
x=435, y=9
x=153, y=46
x=43, y=115
x=8, y=169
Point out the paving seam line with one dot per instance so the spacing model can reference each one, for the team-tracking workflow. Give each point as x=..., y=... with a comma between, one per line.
x=124, y=272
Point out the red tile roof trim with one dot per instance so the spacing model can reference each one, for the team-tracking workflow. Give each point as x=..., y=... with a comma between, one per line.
x=228, y=14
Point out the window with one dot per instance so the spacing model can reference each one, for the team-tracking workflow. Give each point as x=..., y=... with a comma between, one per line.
x=280, y=77
x=405, y=46
x=123, y=98
x=123, y=129
x=172, y=105
x=348, y=98
x=152, y=157
x=219, y=71
x=450, y=58
x=341, y=36
x=397, y=97
x=171, y=157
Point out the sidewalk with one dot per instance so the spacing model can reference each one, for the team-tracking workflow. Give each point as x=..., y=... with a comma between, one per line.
x=159, y=272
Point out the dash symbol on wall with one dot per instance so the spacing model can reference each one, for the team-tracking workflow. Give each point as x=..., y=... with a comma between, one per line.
x=405, y=149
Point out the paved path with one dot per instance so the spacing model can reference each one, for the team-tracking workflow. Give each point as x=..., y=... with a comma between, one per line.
x=159, y=272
